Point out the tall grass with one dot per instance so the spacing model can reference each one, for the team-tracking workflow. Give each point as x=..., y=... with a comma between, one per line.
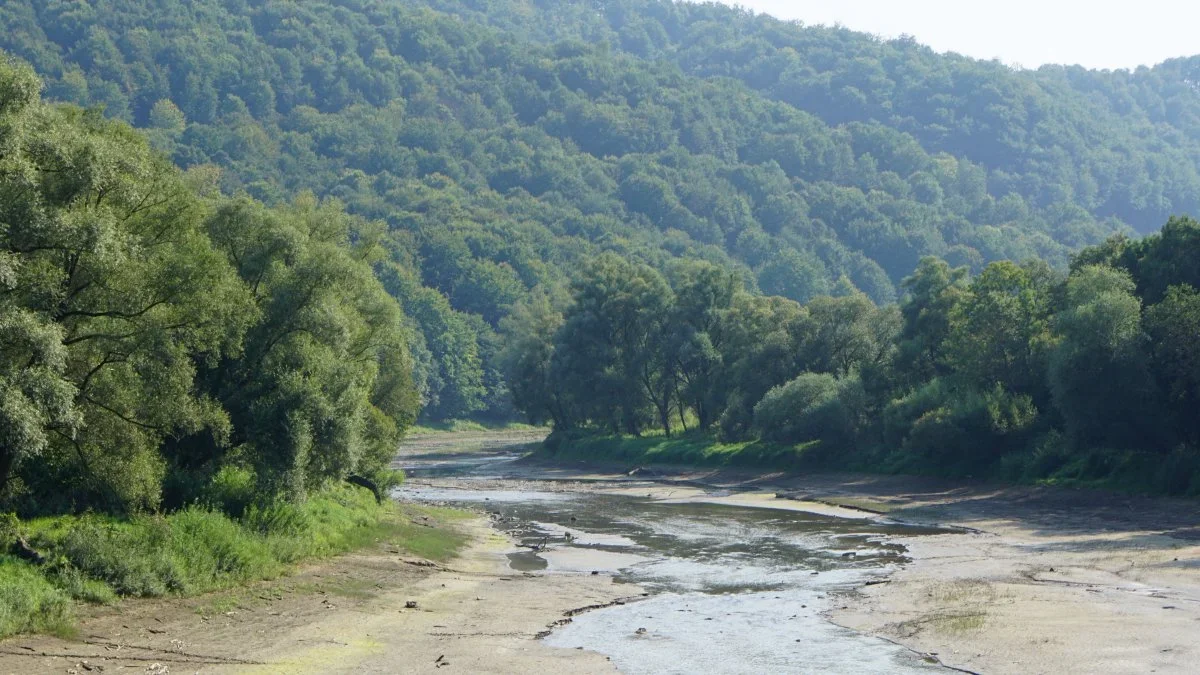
x=29, y=602
x=95, y=558
x=691, y=449
x=459, y=426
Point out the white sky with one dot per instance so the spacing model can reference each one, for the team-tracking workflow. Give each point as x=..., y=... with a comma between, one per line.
x=1029, y=33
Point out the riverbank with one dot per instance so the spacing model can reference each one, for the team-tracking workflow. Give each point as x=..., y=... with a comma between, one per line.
x=1038, y=580
x=1145, y=473
x=52, y=566
x=348, y=614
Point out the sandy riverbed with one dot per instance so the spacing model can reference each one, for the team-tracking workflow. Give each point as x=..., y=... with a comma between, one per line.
x=473, y=615
x=1042, y=580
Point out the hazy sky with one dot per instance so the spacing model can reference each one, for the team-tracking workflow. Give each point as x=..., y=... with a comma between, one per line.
x=1097, y=34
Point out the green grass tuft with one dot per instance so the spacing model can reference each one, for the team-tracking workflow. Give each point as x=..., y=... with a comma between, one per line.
x=29, y=602
x=692, y=449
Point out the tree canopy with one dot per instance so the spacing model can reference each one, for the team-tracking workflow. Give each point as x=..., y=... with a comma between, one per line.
x=155, y=332
x=504, y=142
x=271, y=234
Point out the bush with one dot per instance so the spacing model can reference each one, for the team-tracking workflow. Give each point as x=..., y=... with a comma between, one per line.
x=812, y=407
x=958, y=431
x=79, y=586
x=1179, y=472
x=387, y=480
x=211, y=550
x=133, y=558
x=230, y=490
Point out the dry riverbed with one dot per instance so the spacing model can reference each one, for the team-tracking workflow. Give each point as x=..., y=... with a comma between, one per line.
x=1041, y=580
x=473, y=614
x=1038, y=580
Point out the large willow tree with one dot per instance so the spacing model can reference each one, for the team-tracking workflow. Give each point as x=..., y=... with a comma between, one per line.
x=149, y=329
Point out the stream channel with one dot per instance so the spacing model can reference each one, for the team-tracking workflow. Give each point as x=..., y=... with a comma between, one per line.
x=732, y=588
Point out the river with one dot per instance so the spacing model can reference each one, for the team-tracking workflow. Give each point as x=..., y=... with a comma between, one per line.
x=731, y=588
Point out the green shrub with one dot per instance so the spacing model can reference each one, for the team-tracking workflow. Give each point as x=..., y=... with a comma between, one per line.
x=811, y=407
x=230, y=490
x=957, y=431
x=1178, y=473
x=387, y=480
x=79, y=586
x=278, y=518
x=133, y=557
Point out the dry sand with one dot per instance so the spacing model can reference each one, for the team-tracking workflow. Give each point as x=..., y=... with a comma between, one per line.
x=1050, y=581
x=474, y=615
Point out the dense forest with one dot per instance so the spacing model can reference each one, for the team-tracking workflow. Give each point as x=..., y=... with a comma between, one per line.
x=504, y=142
x=155, y=333
x=383, y=209
x=1018, y=372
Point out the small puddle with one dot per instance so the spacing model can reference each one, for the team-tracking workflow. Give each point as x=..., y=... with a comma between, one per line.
x=733, y=589
x=527, y=561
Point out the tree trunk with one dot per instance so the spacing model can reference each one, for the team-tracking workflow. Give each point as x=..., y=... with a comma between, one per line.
x=7, y=461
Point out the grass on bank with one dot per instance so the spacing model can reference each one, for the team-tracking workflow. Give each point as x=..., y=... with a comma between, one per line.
x=691, y=449
x=1101, y=469
x=98, y=559
x=459, y=426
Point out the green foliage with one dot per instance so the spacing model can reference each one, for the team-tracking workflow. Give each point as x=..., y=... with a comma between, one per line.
x=812, y=407
x=1173, y=326
x=322, y=385
x=951, y=431
x=1017, y=373
x=528, y=356
x=1098, y=371
x=998, y=328
x=28, y=602
x=611, y=359
x=151, y=331
x=503, y=144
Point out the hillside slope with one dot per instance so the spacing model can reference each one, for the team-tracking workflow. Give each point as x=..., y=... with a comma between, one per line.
x=503, y=142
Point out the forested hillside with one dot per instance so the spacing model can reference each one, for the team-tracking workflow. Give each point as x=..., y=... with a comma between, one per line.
x=767, y=188
x=505, y=142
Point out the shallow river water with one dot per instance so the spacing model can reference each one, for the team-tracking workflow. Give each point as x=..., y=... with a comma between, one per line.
x=733, y=589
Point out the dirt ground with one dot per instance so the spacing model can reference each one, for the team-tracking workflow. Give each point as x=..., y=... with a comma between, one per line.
x=349, y=615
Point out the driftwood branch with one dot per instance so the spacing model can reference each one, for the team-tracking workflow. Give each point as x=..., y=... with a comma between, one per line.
x=24, y=551
x=368, y=484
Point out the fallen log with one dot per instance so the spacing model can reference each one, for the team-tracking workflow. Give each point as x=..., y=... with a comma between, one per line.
x=368, y=484
x=24, y=551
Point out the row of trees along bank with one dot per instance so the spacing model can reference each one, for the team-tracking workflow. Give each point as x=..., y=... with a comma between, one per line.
x=1019, y=372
